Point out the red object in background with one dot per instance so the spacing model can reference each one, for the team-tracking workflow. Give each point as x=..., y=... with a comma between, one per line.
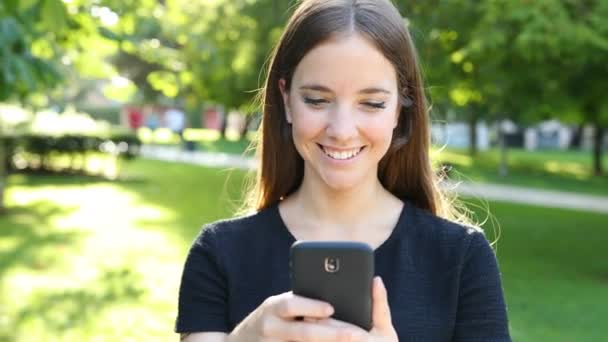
x=212, y=119
x=135, y=117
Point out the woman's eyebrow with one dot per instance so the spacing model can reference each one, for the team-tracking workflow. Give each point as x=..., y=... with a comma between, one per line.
x=374, y=90
x=318, y=87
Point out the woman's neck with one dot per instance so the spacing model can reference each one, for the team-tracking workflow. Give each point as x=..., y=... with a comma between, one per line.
x=343, y=212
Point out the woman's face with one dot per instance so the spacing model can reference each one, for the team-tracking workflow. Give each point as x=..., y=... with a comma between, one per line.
x=343, y=106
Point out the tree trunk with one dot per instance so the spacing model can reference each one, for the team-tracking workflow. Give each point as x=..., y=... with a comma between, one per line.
x=473, y=132
x=245, y=128
x=224, y=126
x=503, y=169
x=577, y=138
x=598, y=140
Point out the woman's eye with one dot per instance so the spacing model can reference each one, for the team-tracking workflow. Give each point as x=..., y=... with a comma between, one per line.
x=314, y=101
x=375, y=105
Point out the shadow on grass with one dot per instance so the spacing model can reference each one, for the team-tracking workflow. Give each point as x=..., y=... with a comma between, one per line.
x=31, y=245
x=197, y=195
x=61, y=310
x=26, y=232
x=54, y=178
x=169, y=198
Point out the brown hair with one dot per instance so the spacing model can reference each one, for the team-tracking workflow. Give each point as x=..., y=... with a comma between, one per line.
x=406, y=169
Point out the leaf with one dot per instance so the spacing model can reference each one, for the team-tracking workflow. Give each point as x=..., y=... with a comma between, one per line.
x=54, y=15
x=45, y=72
x=7, y=71
x=109, y=34
x=9, y=31
x=25, y=5
x=164, y=81
x=24, y=73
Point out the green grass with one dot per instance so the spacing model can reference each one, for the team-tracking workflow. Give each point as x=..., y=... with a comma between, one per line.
x=555, y=274
x=553, y=170
x=83, y=259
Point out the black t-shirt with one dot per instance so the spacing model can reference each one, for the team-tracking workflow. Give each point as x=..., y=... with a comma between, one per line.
x=442, y=278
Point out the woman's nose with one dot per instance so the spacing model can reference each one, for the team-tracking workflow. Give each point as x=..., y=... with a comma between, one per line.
x=342, y=124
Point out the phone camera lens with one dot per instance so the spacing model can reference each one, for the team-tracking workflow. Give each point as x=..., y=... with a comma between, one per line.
x=332, y=265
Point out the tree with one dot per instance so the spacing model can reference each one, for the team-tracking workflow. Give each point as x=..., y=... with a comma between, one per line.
x=524, y=60
x=210, y=52
x=457, y=77
x=554, y=52
x=21, y=70
x=43, y=42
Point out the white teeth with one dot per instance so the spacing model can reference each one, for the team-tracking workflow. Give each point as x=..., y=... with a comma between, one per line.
x=342, y=155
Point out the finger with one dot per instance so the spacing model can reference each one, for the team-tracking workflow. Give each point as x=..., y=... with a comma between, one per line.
x=291, y=306
x=381, y=313
x=321, y=331
x=356, y=333
x=337, y=323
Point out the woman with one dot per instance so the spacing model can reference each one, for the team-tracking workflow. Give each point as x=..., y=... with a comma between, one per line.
x=344, y=156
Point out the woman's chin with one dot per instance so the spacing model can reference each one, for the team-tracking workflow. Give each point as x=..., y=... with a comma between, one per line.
x=344, y=183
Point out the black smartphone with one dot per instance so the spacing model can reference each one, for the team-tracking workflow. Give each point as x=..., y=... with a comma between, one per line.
x=337, y=272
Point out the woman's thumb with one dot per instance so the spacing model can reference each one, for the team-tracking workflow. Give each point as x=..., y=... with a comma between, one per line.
x=381, y=313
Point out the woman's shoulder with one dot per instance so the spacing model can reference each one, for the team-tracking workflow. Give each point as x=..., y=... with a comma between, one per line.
x=243, y=227
x=434, y=225
x=450, y=240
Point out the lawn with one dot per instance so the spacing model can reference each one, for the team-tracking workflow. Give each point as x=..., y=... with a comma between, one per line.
x=82, y=259
x=553, y=170
x=554, y=271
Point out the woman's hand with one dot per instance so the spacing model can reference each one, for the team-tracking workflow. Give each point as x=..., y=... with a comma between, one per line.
x=275, y=320
x=381, y=315
x=382, y=328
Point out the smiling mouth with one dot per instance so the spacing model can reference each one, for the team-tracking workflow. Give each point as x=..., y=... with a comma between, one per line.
x=341, y=154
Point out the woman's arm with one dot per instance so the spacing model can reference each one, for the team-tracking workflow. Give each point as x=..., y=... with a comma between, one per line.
x=482, y=314
x=203, y=294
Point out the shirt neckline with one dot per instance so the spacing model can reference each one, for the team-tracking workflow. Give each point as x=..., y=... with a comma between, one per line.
x=393, y=236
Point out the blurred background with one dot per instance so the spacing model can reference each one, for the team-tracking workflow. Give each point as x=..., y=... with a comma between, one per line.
x=124, y=127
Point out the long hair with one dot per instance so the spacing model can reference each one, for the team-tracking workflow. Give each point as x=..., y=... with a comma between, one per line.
x=406, y=169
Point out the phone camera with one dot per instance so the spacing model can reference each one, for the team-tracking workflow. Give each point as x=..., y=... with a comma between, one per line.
x=332, y=265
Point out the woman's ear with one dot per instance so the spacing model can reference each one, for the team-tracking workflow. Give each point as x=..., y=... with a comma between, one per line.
x=285, y=95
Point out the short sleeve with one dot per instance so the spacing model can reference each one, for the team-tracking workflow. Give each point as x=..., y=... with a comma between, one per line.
x=482, y=314
x=203, y=304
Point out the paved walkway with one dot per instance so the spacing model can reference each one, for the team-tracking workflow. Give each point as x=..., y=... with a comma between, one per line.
x=545, y=198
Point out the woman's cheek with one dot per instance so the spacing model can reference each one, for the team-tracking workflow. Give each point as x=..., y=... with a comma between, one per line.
x=378, y=128
x=308, y=124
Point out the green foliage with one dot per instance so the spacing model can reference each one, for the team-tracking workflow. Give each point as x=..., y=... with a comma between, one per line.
x=21, y=72
x=212, y=51
x=45, y=42
x=53, y=15
x=523, y=60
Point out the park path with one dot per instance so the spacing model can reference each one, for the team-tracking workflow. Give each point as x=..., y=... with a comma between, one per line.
x=494, y=192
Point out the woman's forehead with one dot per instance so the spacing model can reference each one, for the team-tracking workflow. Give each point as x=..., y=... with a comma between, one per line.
x=347, y=63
